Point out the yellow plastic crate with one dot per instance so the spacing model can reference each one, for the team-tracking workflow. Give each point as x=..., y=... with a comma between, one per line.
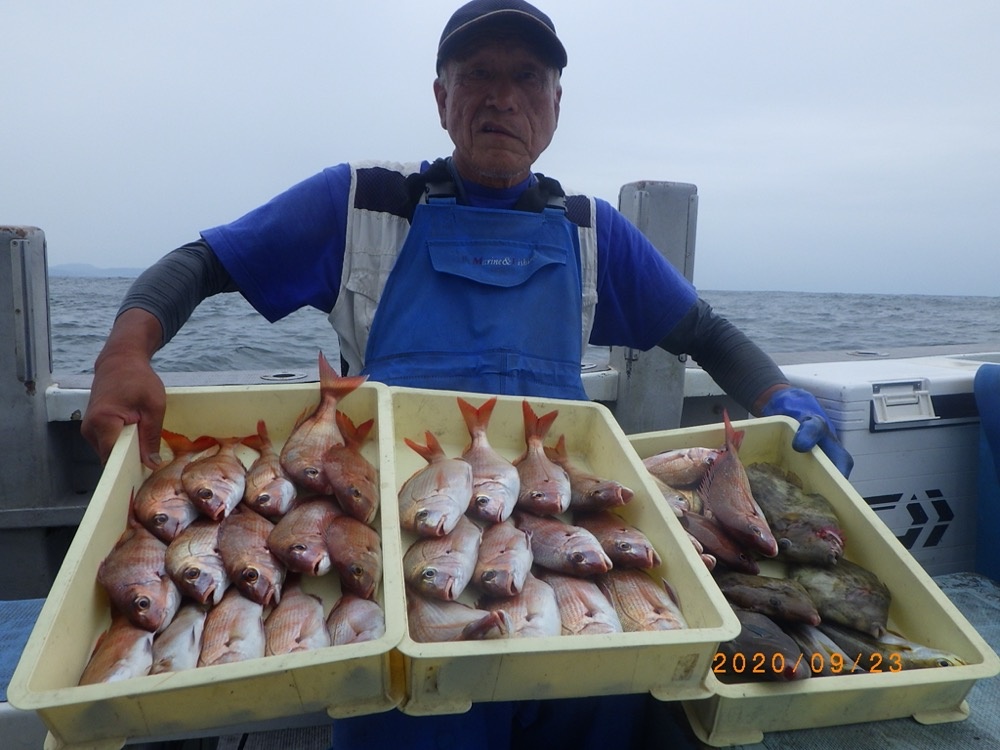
x=741, y=713
x=448, y=677
x=343, y=680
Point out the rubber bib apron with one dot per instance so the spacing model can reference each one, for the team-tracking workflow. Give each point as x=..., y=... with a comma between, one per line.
x=484, y=300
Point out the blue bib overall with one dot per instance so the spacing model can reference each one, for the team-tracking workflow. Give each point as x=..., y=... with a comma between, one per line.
x=484, y=300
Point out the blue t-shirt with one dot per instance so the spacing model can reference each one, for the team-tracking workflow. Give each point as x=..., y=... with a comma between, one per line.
x=289, y=253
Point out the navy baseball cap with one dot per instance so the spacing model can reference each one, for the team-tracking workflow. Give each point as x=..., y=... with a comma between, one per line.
x=481, y=15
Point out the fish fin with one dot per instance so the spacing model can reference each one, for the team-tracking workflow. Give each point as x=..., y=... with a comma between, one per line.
x=429, y=452
x=354, y=436
x=734, y=438
x=335, y=385
x=179, y=443
x=671, y=592
x=477, y=419
x=258, y=441
x=536, y=426
x=557, y=452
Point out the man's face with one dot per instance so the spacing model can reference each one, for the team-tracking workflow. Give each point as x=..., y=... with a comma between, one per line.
x=500, y=105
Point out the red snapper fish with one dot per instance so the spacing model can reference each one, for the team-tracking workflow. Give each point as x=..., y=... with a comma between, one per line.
x=316, y=430
x=588, y=491
x=351, y=478
x=298, y=540
x=250, y=565
x=441, y=567
x=534, y=611
x=195, y=564
x=216, y=483
x=122, y=652
x=178, y=647
x=269, y=490
x=161, y=504
x=355, y=620
x=545, y=485
x=134, y=574
x=727, y=496
x=583, y=607
x=504, y=560
x=624, y=544
x=436, y=620
x=234, y=631
x=563, y=547
x=433, y=499
x=296, y=624
x=356, y=555
x=682, y=467
x=640, y=603
x=495, y=480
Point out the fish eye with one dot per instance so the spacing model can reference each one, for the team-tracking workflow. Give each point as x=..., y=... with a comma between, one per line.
x=482, y=500
x=251, y=575
x=298, y=547
x=422, y=515
x=142, y=603
x=357, y=571
x=311, y=472
x=263, y=498
x=192, y=574
x=160, y=519
x=489, y=575
x=355, y=493
x=537, y=495
x=428, y=574
x=624, y=546
x=577, y=557
x=205, y=493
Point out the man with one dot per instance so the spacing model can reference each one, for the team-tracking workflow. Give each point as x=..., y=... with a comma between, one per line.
x=469, y=273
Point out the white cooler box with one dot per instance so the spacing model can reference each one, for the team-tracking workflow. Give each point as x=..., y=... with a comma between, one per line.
x=913, y=429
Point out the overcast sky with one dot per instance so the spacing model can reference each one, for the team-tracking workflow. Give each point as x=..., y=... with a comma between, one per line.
x=840, y=146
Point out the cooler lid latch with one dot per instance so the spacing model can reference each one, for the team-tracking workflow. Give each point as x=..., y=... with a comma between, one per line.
x=909, y=401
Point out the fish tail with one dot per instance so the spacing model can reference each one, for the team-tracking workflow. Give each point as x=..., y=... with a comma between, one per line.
x=429, y=452
x=535, y=426
x=332, y=384
x=476, y=420
x=353, y=436
x=179, y=443
x=734, y=438
x=258, y=441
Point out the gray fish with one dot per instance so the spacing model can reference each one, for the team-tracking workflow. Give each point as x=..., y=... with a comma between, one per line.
x=826, y=657
x=889, y=652
x=778, y=598
x=761, y=652
x=846, y=593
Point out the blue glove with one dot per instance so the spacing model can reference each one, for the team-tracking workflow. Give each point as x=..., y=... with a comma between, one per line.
x=815, y=427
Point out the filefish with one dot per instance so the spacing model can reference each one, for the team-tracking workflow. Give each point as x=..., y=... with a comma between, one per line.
x=495, y=481
x=441, y=567
x=234, y=631
x=761, y=651
x=641, y=604
x=134, y=574
x=545, y=487
x=298, y=539
x=805, y=525
x=355, y=620
x=534, y=611
x=779, y=598
x=178, y=647
x=588, y=491
x=433, y=498
x=716, y=542
x=296, y=624
x=889, y=651
x=826, y=658
x=351, y=478
x=216, y=483
x=249, y=563
x=316, y=431
x=682, y=467
x=435, y=620
x=583, y=607
x=563, y=547
x=625, y=545
x=194, y=562
x=846, y=593
x=504, y=560
x=269, y=490
x=356, y=554
x=161, y=504
x=726, y=493
x=122, y=652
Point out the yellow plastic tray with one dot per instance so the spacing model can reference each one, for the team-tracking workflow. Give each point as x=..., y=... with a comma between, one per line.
x=339, y=680
x=741, y=713
x=448, y=677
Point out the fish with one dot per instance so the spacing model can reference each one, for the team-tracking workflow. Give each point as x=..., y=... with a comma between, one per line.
x=298, y=539
x=625, y=545
x=588, y=491
x=297, y=624
x=441, y=567
x=134, y=574
x=682, y=467
x=725, y=492
x=889, y=651
x=178, y=647
x=563, y=547
x=436, y=621
x=316, y=430
x=122, y=652
x=249, y=563
x=679, y=500
x=495, y=480
x=269, y=490
x=352, y=478
x=194, y=562
x=805, y=524
x=710, y=560
x=826, y=658
x=545, y=487
x=639, y=602
x=716, y=542
x=504, y=560
x=216, y=483
x=533, y=611
x=778, y=598
x=161, y=504
x=234, y=631
x=583, y=607
x=355, y=620
x=356, y=554
x=434, y=497
x=846, y=593
x=761, y=652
